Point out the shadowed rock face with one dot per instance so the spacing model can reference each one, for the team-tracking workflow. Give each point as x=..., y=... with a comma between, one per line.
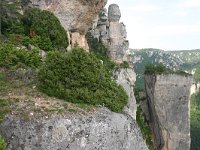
x=103, y=130
x=168, y=105
x=74, y=15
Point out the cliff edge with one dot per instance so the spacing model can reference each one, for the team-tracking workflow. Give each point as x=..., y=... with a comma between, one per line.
x=168, y=101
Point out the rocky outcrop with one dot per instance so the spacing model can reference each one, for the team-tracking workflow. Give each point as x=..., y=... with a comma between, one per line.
x=126, y=78
x=74, y=15
x=168, y=108
x=102, y=129
x=112, y=33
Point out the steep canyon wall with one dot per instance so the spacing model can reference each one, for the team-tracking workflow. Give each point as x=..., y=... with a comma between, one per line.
x=168, y=100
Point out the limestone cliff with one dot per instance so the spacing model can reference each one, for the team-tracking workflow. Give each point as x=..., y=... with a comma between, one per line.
x=97, y=129
x=126, y=78
x=74, y=15
x=112, y=33
x=168, y=108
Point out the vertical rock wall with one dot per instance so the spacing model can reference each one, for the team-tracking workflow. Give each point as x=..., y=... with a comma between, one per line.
x=126, y=78
x=169, y=107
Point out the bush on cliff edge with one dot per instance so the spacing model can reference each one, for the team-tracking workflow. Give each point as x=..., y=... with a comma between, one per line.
x=2, y=143
x=80, y=77
x=45, y=25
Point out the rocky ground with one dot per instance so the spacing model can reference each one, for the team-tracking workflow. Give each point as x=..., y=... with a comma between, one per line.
x=19, y=96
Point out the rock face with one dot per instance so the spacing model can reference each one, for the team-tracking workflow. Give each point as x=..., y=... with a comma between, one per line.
x=74, y=15
x=169, y=107
x=126, y=78
x=114, y=13
x=100, y=129
x=112, y=33
x=103, y=130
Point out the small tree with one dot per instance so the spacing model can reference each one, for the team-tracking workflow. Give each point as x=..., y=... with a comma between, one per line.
x=47, y=26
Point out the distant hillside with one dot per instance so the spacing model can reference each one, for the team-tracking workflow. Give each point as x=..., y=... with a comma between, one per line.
x=186, y=60
x=191, y=58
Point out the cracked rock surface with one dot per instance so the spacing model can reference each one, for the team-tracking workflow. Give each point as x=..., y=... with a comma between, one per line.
x=168, y=100
x=103, y=130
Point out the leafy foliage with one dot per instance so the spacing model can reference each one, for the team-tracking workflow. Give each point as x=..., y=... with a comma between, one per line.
x=156, y=69
x=142, y=122
x=80, y=77
x=43, y=43
x=2, y=143
x=124, y=65
x=46, y=27
x=10, y=57
x=151, y=69
x=100, y=51
x=4, y=105
x=195, y=121
x=197, y=75
x=10, y=17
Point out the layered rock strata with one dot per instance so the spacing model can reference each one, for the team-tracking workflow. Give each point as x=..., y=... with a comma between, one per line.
x=168, y=100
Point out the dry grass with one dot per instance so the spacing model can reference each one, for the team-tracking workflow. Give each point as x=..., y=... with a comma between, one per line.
x=21, y=98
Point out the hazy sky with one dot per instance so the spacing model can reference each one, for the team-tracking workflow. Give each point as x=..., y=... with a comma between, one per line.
x=164, y=24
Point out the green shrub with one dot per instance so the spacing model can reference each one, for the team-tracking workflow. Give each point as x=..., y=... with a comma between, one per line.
x=197, y=74
x=43, y=43
x=10, y=56
x=45, y=25
x=156, y=69
x=151, y=69
x=80, y=77
x=195, y=121
x=142, y=122
x=144, y=127
x=100, y=51
x=124, y=65
x=11, y=26
x=2, y=143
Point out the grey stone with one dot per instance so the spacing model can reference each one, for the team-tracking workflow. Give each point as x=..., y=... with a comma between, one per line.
x=113, y=34
x=114, y=13
x=126, y=78
x=168, y=98
x=103, y=130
